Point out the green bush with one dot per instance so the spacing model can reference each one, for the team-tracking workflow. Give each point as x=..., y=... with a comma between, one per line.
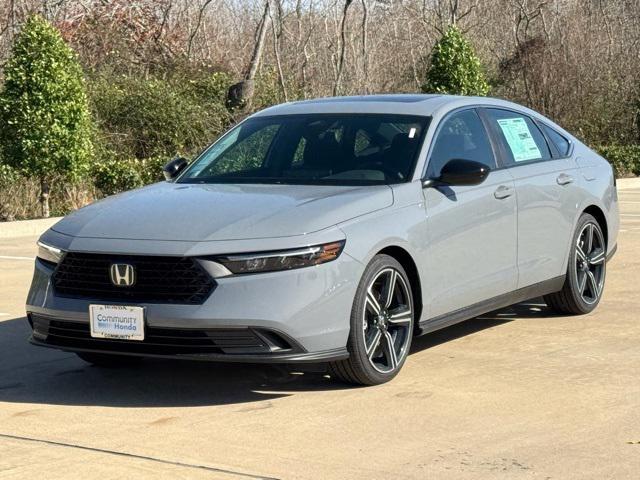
x=8, y=175
x=142, y=118
x=208, y=87
x=151, y=169
x=115, y=176
x=46, y=129
x=268, y=91
x=455, y=69
x=625, y=159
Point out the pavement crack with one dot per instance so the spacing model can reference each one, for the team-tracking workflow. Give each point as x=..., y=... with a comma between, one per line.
x=136, y=456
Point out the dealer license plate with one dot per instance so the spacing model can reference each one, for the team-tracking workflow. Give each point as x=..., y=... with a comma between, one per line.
x=117, y=322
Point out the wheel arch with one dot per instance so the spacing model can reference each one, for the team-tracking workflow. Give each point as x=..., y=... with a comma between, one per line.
x=597, y=213
x=406, y=260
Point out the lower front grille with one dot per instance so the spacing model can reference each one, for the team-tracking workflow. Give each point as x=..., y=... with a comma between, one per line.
x=160, y=341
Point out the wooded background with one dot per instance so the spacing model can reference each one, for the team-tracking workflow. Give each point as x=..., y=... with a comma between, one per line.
x=158, y=72
x=576, y=61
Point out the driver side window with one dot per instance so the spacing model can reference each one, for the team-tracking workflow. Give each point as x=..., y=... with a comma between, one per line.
x=462, y=136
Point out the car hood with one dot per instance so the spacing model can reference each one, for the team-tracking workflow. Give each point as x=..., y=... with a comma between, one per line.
x=190, y=212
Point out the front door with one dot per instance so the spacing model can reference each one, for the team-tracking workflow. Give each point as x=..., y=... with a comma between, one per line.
x=472, y=230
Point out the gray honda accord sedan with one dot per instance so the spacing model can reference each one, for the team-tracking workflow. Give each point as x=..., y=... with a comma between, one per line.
x=332, y=231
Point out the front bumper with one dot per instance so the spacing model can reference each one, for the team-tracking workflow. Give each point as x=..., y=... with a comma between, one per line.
x=296, y=316
x=116, y=348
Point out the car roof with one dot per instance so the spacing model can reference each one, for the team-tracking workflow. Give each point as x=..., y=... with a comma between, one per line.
x=428, y=105
x=410, y=104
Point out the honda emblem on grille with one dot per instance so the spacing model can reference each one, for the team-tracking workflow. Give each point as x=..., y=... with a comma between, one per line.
x=122, y=274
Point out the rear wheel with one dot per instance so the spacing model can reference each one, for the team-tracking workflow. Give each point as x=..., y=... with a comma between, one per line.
x=586, y=272
x=109, y=361
x=382, y=321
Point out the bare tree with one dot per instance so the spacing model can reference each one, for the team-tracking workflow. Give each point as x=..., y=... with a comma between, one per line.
x=194, y=32
x=451, y=12
x=365, y=45
x=576, y=60
x=241, y=94
x=341, y=47
x=277, y=32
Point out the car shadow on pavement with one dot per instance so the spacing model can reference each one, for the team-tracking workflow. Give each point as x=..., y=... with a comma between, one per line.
x=36, y=375
x=528, y=310
x=30, y=374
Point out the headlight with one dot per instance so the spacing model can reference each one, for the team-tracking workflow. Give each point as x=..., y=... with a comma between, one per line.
x=49, y=254
x=282, y=260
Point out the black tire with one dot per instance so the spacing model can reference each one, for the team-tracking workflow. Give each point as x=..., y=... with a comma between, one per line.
x=394, y=323
x=573, y=298
x=106, y=360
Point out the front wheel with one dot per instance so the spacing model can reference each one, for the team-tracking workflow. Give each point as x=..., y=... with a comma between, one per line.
x=382, y=319
x=584, y=281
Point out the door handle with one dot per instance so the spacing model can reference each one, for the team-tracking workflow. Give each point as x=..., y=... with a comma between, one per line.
x=503, y=192
x=564, y=179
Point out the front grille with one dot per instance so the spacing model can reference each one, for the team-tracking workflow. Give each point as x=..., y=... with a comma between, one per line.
x=157, y=341
x=158, y=279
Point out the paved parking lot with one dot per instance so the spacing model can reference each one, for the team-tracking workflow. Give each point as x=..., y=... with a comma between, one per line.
x=520, y=393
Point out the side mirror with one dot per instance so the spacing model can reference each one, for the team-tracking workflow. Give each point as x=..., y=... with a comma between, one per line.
x=172, y=169
x=459, y=172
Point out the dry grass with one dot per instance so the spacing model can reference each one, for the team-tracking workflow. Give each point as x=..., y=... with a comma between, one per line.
x=19, y=200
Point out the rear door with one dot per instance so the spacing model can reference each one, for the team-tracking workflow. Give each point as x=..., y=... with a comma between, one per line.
x=547, y=193
x=471, y=229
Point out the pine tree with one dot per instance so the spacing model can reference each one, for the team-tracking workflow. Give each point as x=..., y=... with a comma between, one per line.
x=46, y=128
x=455, y=69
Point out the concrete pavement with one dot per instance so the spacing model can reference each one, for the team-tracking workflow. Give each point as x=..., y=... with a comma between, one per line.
x=517, y=394
x=25, y=228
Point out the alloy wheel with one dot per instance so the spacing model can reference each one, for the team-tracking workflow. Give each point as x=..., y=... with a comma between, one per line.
x=590, y=263
x=387, y=320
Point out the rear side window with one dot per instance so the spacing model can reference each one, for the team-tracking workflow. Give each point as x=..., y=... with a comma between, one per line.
x=520, y=137
x=562, y=144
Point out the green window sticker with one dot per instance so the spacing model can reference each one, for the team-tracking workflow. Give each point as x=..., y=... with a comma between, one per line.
x=519, y=138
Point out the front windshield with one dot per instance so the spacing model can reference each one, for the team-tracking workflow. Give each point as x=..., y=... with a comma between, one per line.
x=329, y=149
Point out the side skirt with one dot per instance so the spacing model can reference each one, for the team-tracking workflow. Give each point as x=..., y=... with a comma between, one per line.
x=532, y=291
